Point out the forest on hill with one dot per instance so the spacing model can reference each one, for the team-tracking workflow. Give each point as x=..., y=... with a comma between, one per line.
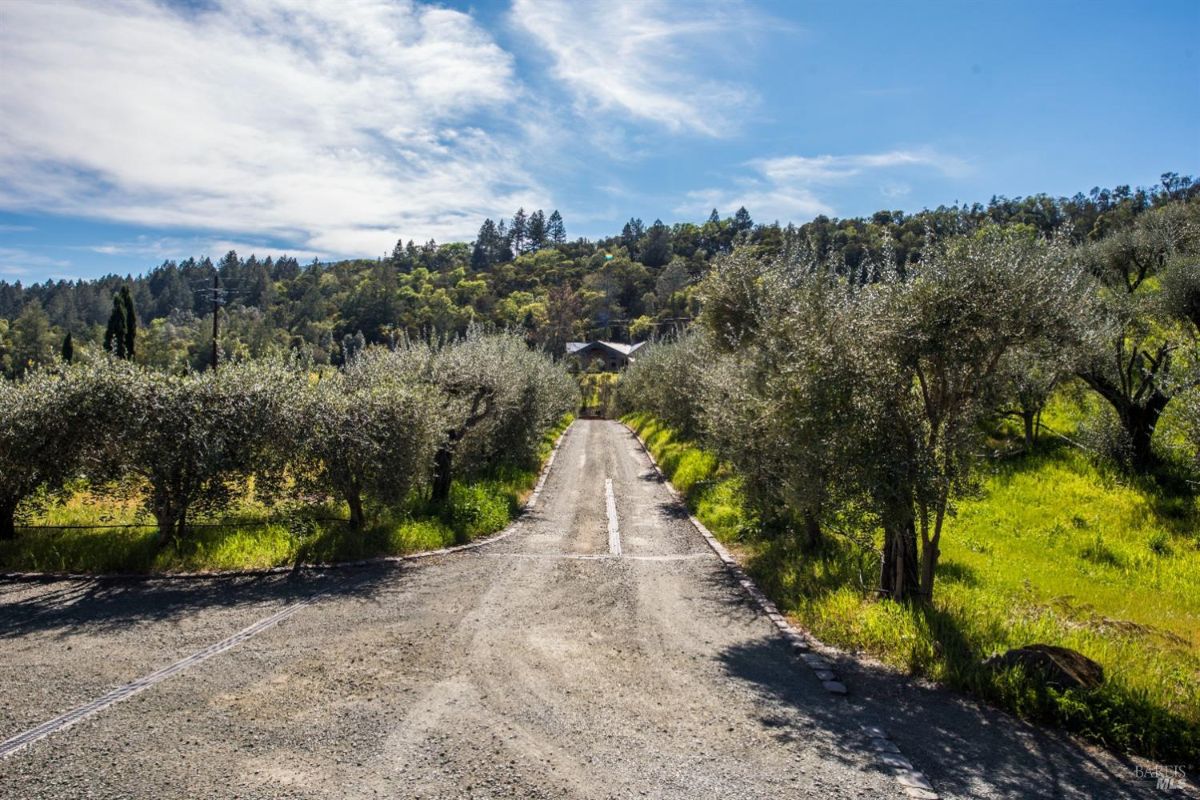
x=522, y=273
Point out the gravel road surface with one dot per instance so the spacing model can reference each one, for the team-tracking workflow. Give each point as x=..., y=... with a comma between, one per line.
x=539, y=666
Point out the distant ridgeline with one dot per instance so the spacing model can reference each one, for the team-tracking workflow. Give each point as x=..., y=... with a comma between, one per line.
x=522, y=273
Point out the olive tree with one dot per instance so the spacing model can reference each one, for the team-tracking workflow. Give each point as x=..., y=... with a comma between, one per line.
x=194, y=440
x=775, y=399
x=36, y=445
x=935, y=346
x=666, y=379
x=1180, y=298
x=499, y=398
x=53, y=425
x=869, y=395
x=1133, y=367
x=367, y=434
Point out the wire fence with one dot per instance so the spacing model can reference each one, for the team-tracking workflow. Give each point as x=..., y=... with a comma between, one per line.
x=226, y=524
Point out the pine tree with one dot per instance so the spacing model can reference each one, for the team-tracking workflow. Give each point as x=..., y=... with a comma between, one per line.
x=742, y=221
x=230, y=268
x=714, y=217
x=518, y=232
x=536, y=231
x=487, y=246
x=656, y=246
x=630, y=234
x=503, y=244
x=555, y=230
x=68, y=350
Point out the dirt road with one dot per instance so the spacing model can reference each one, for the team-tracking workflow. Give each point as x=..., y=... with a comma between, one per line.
x=590, y=654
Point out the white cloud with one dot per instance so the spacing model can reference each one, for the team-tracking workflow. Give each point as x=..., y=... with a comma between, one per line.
x=792, y=187
x=838, y=169
x=17, y=263
x=161, y=248
x=336, y=124
x=645, y=58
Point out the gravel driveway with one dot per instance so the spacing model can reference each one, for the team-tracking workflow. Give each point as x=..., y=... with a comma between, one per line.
x=538, y=666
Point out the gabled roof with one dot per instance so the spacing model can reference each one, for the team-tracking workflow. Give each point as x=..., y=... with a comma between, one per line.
x=617, y=347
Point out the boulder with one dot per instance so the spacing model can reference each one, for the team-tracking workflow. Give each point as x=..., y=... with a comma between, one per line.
x=1059, y=667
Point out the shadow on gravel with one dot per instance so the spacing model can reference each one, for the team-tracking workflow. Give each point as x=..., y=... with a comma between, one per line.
x=971, y=750
x=103, y=605
x=770, y=668
x=672, y=509
x=965, y=749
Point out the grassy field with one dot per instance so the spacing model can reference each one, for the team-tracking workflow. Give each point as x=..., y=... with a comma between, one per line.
x=1054, y=550
x=254, y=537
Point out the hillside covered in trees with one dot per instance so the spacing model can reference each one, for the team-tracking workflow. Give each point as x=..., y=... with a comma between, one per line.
x=522, y=273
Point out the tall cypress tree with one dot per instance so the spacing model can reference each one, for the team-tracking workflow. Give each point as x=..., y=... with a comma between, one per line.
x=114, y=334
x=68, y=350
x=120, y=337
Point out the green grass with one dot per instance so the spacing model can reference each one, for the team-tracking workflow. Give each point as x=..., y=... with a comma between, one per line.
x=712, y=492
x=254, y=537
x=1055, y=550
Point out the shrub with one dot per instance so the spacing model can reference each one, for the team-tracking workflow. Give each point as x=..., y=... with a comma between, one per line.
x=666, y=379
x=52, y=422
x=499, y=399
x=366, y=434
x=196, y=439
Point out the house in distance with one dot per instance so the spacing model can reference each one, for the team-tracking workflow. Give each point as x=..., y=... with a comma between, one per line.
x=602, y=356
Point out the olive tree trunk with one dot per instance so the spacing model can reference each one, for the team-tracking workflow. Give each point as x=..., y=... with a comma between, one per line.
x=443, y=463
x=1029, y=419
x=358, y=519
x=8, y=513
x=1138, y=414
x=1139, y=423
x=899, y=578
x=813, y=536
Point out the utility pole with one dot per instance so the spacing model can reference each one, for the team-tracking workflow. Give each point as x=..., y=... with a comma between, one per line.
x=216, y=290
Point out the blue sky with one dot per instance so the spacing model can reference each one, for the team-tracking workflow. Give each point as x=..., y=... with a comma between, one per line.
x=135, y=131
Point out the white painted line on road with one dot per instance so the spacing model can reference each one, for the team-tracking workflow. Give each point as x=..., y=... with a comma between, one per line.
x=60, y=723
x=598, y=556
x=614, y=531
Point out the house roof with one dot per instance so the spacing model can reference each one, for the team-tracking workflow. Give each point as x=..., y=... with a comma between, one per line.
x=622, y=349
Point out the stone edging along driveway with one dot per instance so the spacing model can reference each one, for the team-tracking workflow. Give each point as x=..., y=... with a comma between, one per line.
x=508, y=530
x=881, y=747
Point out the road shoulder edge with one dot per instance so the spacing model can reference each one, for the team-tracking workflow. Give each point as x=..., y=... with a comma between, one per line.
x=879, y=746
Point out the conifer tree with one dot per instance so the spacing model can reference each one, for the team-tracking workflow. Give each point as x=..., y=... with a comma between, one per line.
x=130, y=322
x=114, y=334
x=742, y=221
x=518, y=232
x=556, y=232
x=68, y=350
x=536, y=230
